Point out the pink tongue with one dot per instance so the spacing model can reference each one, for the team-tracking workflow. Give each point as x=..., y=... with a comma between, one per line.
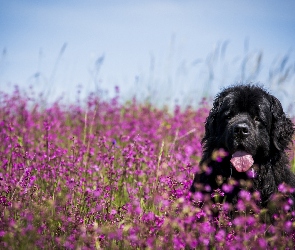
x=242, y=161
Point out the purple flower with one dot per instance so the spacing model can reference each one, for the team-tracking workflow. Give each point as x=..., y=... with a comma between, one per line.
x=198, y=196
x=4, y=201
x=245, y=195
x=109, y=175
x=227, y=188
x=262, y=243
x=220, y=236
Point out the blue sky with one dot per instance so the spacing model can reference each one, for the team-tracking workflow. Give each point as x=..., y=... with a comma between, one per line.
x=145, y=47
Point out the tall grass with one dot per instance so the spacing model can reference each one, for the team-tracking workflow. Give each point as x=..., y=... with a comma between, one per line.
x=175, y=79
x=108, y=176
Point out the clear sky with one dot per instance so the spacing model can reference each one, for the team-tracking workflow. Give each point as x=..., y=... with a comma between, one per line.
x=146, y=47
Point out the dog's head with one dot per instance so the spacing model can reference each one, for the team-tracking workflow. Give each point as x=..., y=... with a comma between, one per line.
x=246, y=120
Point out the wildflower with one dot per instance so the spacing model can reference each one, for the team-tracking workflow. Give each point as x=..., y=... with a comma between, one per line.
x=230, y=237
x=245, y=195
x=262, y=243
x=288, y=226
x=227, y=188
x=4, y=201
x=178, y=243
x=218, y=155
x=241, y=205
x=220, y=236
x=197, y=196
x=217, y=193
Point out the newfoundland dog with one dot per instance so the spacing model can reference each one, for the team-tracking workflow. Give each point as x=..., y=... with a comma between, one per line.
x=248, y=127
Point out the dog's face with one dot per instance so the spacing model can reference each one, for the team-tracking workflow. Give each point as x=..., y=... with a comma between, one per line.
x=244, y=123
x=247, y=119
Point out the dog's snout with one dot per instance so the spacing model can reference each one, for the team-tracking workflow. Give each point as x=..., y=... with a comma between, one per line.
x=241, y=129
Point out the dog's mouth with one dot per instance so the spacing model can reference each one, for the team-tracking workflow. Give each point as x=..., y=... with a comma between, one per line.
x=242, y=161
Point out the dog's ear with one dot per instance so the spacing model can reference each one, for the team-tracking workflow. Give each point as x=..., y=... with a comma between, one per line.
x=210, y=125
x=282, y=127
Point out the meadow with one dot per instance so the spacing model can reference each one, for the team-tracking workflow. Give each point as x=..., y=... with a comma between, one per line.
x=103, y=175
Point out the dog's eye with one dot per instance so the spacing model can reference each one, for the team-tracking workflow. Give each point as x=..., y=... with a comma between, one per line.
x=228, y=117
x=257, y=119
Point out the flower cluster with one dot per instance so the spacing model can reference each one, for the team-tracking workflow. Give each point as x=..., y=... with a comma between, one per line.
x=102, y=175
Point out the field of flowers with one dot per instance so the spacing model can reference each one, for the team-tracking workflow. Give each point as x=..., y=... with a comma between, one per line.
x=102, y=175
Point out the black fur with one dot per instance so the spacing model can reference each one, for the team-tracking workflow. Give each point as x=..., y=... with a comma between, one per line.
x=268, y=133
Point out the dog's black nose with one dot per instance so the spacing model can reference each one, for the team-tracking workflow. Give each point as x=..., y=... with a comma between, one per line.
x=241, y=129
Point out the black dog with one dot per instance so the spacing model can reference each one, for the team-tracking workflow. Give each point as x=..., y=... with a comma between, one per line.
x=250, y=125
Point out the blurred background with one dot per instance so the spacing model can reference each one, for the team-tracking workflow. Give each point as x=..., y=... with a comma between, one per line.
x=166, y=52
